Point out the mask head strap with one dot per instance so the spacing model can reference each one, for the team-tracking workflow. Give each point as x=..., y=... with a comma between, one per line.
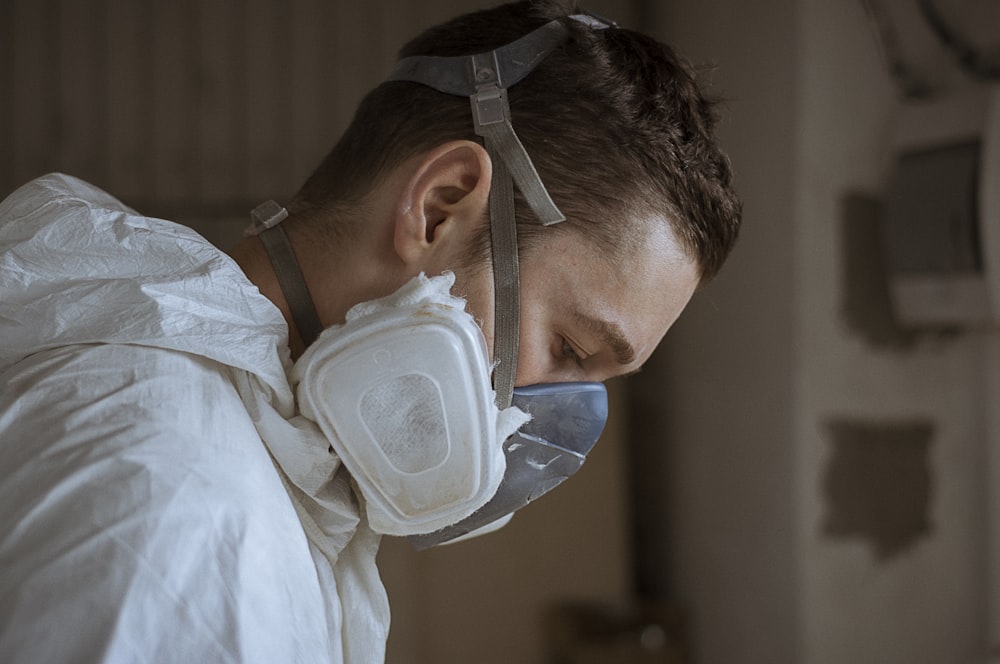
x=484, y=78
x=265, y=223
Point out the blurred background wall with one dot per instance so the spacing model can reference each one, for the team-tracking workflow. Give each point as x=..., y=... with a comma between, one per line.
x=814, y=492
x=828, y=469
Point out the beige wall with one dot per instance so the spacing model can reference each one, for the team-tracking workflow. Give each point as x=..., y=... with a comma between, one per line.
x=766, y=360
x=731, y=393
x=857, y=605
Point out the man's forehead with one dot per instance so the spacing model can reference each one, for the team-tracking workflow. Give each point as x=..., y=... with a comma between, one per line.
x=629, y=302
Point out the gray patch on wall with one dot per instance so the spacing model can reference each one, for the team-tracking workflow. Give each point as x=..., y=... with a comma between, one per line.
x=866, y=306
x=877, y=484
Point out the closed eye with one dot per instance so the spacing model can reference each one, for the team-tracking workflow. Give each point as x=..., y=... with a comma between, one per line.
x=570, y=353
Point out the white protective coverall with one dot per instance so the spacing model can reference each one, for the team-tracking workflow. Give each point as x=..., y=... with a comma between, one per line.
x=143, y=518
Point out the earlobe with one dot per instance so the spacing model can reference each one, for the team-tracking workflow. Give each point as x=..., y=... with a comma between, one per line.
x=443, y=201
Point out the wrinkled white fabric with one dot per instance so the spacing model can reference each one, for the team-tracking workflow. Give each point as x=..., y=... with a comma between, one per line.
x=143, y=518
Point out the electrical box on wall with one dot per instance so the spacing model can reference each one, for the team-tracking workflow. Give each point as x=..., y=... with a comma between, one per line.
x=941, y=229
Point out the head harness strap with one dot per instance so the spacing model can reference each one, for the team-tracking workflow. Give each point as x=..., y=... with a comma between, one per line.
x=484, y=78
x=265, y=223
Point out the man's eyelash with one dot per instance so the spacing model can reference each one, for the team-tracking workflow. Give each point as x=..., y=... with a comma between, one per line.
x=570, y=352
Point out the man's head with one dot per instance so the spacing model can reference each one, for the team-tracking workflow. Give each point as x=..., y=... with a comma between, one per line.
x=613, y=121
x=621, y=139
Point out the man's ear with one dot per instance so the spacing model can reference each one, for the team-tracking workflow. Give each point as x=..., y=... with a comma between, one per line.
x=443, y=201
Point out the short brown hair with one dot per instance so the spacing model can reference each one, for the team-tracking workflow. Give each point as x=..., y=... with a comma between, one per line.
x=614, y=122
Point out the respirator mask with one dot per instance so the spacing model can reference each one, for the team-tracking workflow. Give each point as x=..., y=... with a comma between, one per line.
x=403, y=391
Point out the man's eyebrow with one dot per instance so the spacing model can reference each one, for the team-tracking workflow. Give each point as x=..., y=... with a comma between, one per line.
x=610, y=334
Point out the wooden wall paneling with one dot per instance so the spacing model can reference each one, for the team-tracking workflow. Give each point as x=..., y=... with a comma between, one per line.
x=268, y=45
x=389, y=29
x=357, y=52
x=311, y=111
x=176, y=101
x=130, y=93
x=82, y=84
x=33, y=106
x=7, y=178
x=222, y=94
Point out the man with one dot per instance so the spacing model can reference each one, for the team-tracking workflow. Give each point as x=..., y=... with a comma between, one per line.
x=181, y=479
